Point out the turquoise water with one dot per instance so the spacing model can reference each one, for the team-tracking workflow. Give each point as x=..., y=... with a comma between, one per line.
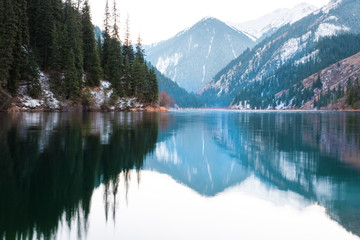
x=180, y=175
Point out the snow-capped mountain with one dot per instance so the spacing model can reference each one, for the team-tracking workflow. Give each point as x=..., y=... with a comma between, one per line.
x=195, y=55
x=269, y=23
x=292, y=44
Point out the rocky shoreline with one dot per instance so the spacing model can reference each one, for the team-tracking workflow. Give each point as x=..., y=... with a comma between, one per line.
x=97, y=99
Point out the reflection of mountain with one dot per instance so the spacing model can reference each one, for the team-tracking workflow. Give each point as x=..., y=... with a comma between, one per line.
x=51, y=163
x=315, y=155
x=191, y=156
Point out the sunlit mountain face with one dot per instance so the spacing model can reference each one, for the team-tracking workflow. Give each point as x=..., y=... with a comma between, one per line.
x=55, y=166
x=195, y=55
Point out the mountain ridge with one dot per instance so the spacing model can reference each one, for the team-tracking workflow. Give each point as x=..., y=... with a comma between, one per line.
x=292, y=43
x=267, y=24
x=193, y=56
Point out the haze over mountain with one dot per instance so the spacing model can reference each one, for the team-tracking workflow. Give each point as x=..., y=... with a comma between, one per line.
x=286, y=57
x=195, y=55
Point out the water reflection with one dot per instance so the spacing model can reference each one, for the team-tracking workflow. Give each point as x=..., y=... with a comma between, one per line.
x=316, y=155
x=51, y=163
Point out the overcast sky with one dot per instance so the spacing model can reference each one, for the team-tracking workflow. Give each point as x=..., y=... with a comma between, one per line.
x=158, y=20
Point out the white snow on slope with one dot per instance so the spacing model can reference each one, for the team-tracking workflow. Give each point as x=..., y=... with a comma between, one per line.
x=47, y=98
x=332, y=4
x=307, y=58
x=327, y=30
x=210, y=46
x=164, y=63
x=276, y=19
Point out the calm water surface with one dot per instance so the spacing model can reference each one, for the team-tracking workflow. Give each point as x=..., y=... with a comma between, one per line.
x=180, y=175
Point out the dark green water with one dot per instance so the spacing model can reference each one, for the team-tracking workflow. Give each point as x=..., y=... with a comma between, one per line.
x=180, y=175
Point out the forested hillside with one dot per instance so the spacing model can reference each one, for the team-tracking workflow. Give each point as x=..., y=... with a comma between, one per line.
x=57, y=38
x=179, y=96
x=265, y=94
x=292, y=53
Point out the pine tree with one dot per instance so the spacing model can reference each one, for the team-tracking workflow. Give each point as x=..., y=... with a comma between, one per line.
x=105, y=46
x=128, y=50
x=72, y=86
x=115, y=32
x=115, y=66
x=44, y=32
x=7, y=42
x=99, y=47
x=128, y=83
x=73, y=57
x=318, y=84
x=351, y=94
x=140, y=53
x=153, y=84
x=32, y=72
x=91, y=58
x=73, y=38
x=138, y=78
x=21, y=48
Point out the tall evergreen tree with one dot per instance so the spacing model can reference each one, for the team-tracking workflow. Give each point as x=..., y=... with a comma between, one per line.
x=44, y=32
x=72, y=85
x=115, y=66
x=72, y=40
x=99, y=47
x=7, y=40
x=140, y=53
x=105, y=46
x=153, y=86
x=91, y=58
x=115, y=32
x=138, y=75
x=21, y=48
x=129, y=87
x=128, y=50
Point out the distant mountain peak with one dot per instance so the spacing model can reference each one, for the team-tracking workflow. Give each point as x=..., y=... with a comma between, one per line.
x=208, y=18
x=274, y=20
x=196, y=54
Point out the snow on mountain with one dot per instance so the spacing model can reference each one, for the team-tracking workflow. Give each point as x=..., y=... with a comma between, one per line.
x=291, y=43
x=196, y=54
x=274, y=20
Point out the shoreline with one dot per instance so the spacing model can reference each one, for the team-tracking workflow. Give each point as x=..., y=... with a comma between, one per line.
x=266, y=110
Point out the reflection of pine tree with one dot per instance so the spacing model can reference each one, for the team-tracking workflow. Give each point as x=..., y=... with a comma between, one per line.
x=59, y=180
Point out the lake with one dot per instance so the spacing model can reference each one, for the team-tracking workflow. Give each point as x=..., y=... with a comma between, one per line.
x=180, y=175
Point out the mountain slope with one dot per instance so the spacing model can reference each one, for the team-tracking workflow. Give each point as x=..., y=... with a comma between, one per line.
x=195, y=55
x=335, y=80
x=269, y=23
x=292, y=44
x=182, y=98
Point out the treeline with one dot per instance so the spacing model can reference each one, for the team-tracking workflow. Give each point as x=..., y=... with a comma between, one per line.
x=262, y=94
x=58, y=38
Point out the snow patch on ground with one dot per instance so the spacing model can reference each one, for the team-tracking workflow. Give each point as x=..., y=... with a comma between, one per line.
x=102, y=94
x=127, y=104
x=47, y=99
x=241, y=106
